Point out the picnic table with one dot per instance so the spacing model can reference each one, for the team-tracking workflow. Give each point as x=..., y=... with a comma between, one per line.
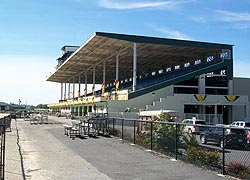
x=86, y=126
x=38, y=119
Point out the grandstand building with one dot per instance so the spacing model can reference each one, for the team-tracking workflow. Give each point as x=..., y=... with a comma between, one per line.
x=138, y=73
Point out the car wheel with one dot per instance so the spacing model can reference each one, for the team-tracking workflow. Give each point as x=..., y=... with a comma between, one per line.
x=203, y=140
x=189, y=131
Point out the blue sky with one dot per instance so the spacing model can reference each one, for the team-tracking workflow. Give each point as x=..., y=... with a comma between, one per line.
x=33, y=31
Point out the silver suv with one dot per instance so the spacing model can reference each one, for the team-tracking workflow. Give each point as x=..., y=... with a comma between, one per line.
x=191, y=125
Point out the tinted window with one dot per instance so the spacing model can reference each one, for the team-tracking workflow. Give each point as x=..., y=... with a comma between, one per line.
x=200, y=122
x=212, y=129
x=247, y=125
x=237, y=131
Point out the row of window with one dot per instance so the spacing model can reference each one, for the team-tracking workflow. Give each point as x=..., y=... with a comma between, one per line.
x=167, y=70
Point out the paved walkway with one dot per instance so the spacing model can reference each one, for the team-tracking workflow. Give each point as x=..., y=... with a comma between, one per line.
x=49, y=154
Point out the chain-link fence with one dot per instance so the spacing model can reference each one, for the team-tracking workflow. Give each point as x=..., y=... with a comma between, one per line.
x=3, y=123
x=221, y=148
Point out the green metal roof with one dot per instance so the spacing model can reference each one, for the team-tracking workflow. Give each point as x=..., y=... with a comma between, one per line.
x=163, y=41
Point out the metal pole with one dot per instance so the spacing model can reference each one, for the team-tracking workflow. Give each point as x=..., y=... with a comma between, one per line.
x=151, y=136
x=134, y=131
x=223, y=151
x=122, y=128
x=4, y=141
x=113, y=125
x=176, y=140
x=134, y=67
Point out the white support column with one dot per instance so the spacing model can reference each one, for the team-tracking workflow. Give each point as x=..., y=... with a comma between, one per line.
x=134, y=66
x=104, y=72
x=73, y=90
x=79, y=87
x=61, y=91
x=117, y=67
x=230, y=87
x=93, y=88
x=215, y=114
x=69, y=91
x=94, y=75
x=202, y=84
x=65, y=91
x=86, y=84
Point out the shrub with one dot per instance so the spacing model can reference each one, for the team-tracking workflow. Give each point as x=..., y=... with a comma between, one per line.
x=235, y=168
x=164, y=135
x=143, y=138
x=189, y=140
x=202, y=156
x=245, y=173
x=114, y=132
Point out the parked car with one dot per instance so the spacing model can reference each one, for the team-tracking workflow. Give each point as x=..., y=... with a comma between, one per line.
x=241, y=124
x=192, y=127
x=234, y=137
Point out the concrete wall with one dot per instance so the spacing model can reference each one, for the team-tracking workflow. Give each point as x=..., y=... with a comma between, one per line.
x=241, y=86
x=140, y=102
x=178, y=101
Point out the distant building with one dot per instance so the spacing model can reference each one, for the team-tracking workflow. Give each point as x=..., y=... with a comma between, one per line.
x=66, y=52
x=4, y=106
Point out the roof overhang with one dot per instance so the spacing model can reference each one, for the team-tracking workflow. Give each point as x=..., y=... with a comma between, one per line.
x=153, y=54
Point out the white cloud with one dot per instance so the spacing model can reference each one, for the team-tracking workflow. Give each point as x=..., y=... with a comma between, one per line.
x=24, y=77
x=241, y=26
x=170, y=32
x=229, y=16
x=199, y=19
x=115, y=4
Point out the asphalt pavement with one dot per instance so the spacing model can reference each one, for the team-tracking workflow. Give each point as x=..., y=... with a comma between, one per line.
x=48, y=154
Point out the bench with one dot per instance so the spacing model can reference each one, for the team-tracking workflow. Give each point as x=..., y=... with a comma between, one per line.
x=72, y=130
x=67, y=129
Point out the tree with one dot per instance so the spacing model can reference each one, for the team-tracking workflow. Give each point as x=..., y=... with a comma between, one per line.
x=165, y=135
x=42, y=106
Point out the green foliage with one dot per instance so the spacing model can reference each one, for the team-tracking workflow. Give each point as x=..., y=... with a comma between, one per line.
x=114, y=132
x=143, y=139
x=189, y=140
x=164, y=117
x=42, y=106
x=203, y=156
x=164, y=135
x=245, y=174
